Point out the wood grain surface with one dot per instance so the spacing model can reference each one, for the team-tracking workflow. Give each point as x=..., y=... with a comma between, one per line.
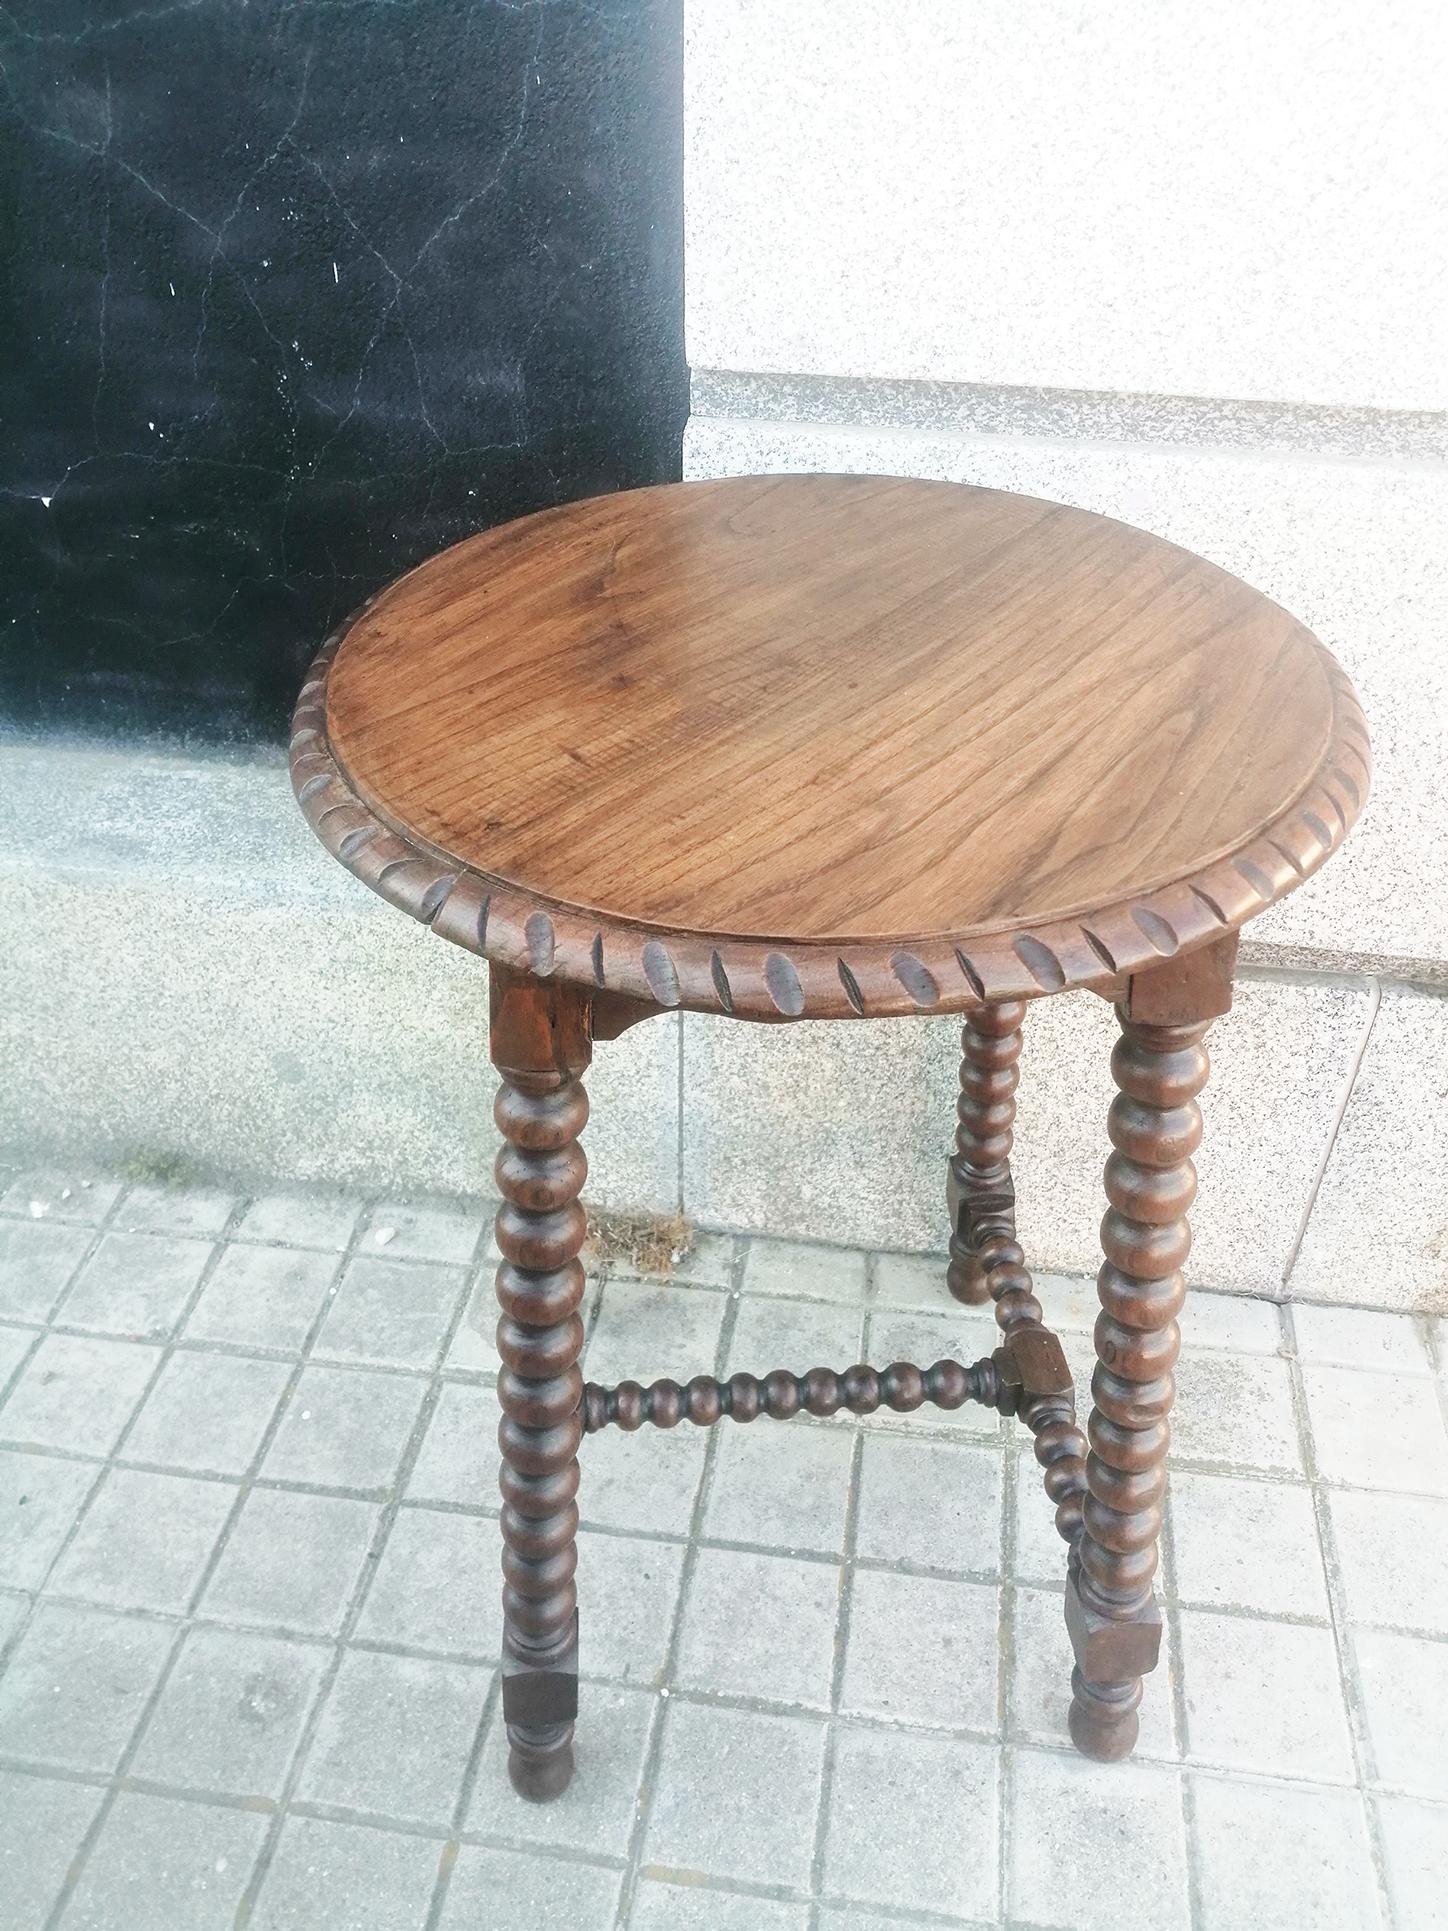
x=805, y=745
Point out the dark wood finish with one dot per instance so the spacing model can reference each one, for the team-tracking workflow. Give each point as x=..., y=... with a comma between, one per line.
x=1155, y=1126
x=979, y=1192
x=541, y=1047
x=1047, y=1403
x=826, y=747
x=822, y=1391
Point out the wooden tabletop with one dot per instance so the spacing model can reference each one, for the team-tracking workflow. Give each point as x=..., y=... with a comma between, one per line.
x=794, y=746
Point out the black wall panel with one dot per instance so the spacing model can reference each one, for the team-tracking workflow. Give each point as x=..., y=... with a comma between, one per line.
x=298, y=291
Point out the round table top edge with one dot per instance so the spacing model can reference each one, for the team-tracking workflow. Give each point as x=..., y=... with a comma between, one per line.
x=791, y=979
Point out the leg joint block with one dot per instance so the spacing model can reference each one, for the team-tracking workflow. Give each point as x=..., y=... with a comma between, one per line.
x=1108, y=1651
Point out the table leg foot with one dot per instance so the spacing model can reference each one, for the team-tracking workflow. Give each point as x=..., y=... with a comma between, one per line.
x=1103, y=1719
x=540, y=1771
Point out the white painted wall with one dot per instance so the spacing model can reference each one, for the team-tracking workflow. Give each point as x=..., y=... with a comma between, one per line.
x=1187, y=266
x=1231, y=200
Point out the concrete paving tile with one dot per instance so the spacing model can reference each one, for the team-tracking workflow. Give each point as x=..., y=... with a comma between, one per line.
x=522, y=1891
x=1376, y=1431
x=135, y=1285
x=426, y=1230
x=1393, y=1554
x=1270, y=1854
x=883, y=1845
x=1040, y=1554
x=1404, y=1680
x=967, y=1335
x=199, y=1211
x=262, y=1297
x=15, y=1344
x=41, y=1826
x=346, y=1877
x=853, y=1917
x=628, y=1590
x=1264, y=1696
x=596, y=1813
x=343, y=1429
x=915, y=1281
x=458, y=1460
x=934, y=1504
x=207, y=1412
x=437, y=1585
x=1070, y=1305
x=660, y=1906
x=474, y=1347
x=709, y=1817
x=1244, y=1544
x=145, y=1541
x=1094, y=1852
x=782, y=1484
x=760, y=1626
x=291, y=1562
x=647, y=1330
x=394, y=1737
x=231, y=1714
x=1235, y=1321
x=1237, y=1410
x=771, y=1331
x=302, y=1219
x=1351, y=1337
x=77, y=1393
x=801, y=1270
x=1415, y=1839
x=646, y=1481
x=13, y=1610
x=922, y=1650
x=48, y=1194
x=1039, y=1685
x=390, y=1314
x=710, y=1261
x=37, y=1259
x=167, y=1865
x=40, y=1497
x=76, y=1684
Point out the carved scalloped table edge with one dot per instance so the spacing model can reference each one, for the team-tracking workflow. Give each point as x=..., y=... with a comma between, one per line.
x=787, y=980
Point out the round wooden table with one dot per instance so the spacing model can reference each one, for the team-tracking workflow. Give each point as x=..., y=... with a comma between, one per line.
x=837, y=747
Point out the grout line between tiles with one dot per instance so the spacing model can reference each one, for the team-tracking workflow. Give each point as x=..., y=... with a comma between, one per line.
x=367, y=1573
x=218, y=1550
x=843, y=1612
x=1007, y=1449
x=1177, y=1692
x=83, y=1853
x=1006, y=1648
x=1354, y=1703
x=104, y=1464
x=653, y=1750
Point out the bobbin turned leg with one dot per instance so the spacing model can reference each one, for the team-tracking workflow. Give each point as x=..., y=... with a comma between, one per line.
x=1155, y=1125
x=981, y=1198
x=540, y=1045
